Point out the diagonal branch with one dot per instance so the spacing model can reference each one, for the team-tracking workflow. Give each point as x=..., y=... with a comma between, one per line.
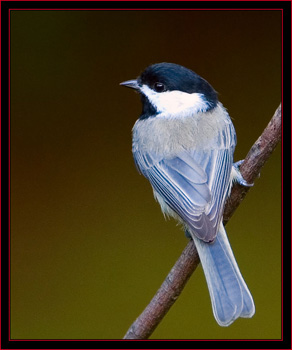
x=175, y=281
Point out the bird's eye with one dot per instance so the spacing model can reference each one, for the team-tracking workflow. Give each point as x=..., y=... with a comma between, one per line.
x=159, y=87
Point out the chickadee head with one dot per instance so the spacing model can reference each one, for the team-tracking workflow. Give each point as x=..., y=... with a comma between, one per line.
x=171, y=90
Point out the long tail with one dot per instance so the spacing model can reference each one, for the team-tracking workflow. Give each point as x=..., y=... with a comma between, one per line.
x=229, y=293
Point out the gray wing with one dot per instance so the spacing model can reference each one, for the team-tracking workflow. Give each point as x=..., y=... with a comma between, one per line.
x=193, y=184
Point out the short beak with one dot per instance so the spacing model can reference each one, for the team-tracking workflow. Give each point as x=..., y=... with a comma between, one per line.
x=131, y=84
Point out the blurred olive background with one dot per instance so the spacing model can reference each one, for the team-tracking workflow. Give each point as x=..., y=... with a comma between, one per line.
x=89, y=245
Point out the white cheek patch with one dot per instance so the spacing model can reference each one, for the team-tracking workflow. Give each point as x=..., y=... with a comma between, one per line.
x=175, y=102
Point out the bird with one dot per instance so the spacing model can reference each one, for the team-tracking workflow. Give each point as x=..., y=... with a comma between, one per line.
x=183, y=143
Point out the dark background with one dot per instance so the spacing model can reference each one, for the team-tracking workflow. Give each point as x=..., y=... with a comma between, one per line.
x=89, y=245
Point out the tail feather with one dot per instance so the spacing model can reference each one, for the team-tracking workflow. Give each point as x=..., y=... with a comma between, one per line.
x=229, y=293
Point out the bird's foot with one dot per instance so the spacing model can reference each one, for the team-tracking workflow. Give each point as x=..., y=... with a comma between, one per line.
x=237, y=175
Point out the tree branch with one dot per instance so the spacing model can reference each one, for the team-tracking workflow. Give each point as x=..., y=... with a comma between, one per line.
x=175, y=281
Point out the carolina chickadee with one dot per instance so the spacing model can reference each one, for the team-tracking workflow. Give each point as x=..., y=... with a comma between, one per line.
x=183, y=143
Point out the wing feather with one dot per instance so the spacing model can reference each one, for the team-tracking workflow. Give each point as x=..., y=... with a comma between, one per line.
x=194, y=184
